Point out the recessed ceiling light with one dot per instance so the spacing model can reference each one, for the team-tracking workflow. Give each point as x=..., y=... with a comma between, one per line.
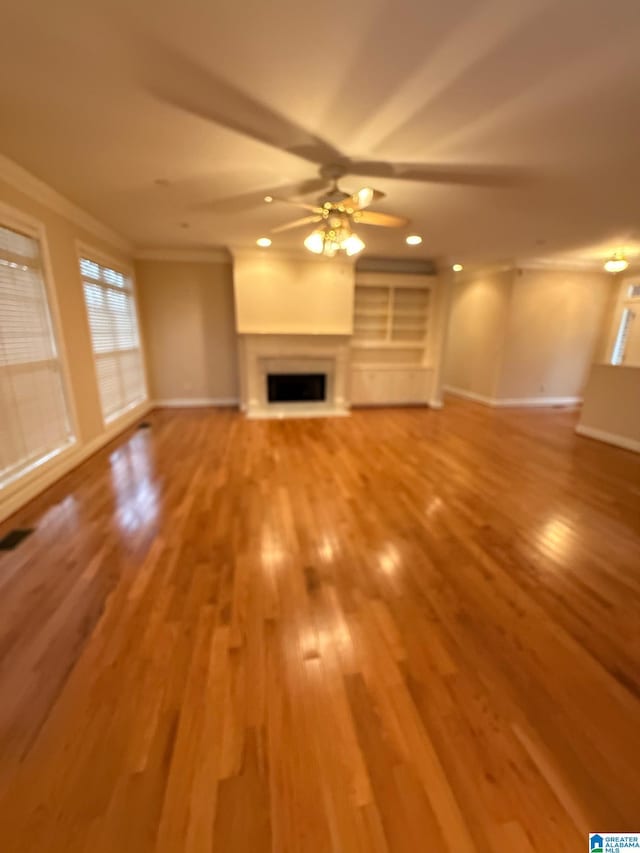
x=265, y=242
x=414, y=240
x=457, y=267
x=184, y=224
x=268, y=199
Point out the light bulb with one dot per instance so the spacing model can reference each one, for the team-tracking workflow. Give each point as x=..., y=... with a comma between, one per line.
x=264, y=242
x=315, y=242
x=331, y=243
x=413, y=240
x=364, y=196
x=352, y=245
x=457, y=267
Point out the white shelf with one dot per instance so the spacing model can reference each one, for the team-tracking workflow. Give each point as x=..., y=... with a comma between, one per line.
x=387, y=344
x=386, y=365
x=367, y=312
x=391, y=316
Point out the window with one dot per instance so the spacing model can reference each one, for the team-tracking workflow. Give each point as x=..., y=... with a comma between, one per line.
x=34, y=418
x=621, y=338
x=111, y=306
x=634, y=291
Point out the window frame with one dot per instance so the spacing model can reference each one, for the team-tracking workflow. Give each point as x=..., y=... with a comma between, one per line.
x=618, y=352
x=24, y=223
x=632, y=284
x=99, y=256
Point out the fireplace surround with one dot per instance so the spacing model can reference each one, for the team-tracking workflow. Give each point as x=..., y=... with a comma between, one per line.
x=293, y=356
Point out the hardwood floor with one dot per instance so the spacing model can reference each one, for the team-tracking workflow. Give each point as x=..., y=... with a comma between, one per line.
x=396, y=632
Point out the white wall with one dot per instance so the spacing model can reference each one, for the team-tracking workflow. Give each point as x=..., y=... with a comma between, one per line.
x=554, y=325
x=526, y=336
x=477, y=327
x=188, y=318
x=280, y=294
x=611, y=409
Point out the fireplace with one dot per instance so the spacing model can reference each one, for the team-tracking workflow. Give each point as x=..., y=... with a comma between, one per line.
x=286, y=376
x=296, y=387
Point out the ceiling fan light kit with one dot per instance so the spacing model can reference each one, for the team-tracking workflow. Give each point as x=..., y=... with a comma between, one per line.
x=329, y=241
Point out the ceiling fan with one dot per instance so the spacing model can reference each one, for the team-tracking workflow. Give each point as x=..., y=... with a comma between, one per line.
x=335, y=214
x=180, y=82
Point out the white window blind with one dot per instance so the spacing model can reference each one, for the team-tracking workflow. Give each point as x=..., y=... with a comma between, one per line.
x=34, y=419
x=113, y=319
x=620, y=345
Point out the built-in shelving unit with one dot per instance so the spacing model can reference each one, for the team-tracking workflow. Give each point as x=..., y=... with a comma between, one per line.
x=390, y=338
x=392, y=314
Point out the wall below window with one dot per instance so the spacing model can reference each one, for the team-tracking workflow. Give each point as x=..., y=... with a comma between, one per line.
x=611, y=410
x=25, y=199
x=187, y=315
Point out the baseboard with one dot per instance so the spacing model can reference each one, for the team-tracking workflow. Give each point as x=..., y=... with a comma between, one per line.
x=514, y=402
x=194, y=402
x=469, y=395
x=283, y=414
x=609, y=438
x=43, y=478
x=533, y=402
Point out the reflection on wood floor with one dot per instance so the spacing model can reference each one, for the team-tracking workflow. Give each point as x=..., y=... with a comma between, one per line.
x=396, y=632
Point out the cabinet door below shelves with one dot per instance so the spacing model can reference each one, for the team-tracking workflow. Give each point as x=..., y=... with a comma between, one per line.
x=380, y=387
x=367, y=387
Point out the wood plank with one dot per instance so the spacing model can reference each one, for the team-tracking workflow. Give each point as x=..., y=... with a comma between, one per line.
x=397, y=631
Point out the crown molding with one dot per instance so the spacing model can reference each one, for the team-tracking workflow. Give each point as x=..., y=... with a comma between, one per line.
x=23, y=181
x=184, y=255
x=561, y=264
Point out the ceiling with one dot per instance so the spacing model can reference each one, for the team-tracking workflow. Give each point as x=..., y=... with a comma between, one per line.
x=169, y=121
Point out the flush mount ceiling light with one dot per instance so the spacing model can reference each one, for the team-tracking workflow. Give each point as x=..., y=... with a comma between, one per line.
x=264, y=242
x=616, y=263
x=457, y=267
x=413, y=240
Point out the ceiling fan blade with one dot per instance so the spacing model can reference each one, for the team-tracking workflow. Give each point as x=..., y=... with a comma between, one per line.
x=250, y=200
x=175, y=79
x=297, y=223
x=372, y=217
x=478, y=176
x=302, y=204
x=363, y=198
